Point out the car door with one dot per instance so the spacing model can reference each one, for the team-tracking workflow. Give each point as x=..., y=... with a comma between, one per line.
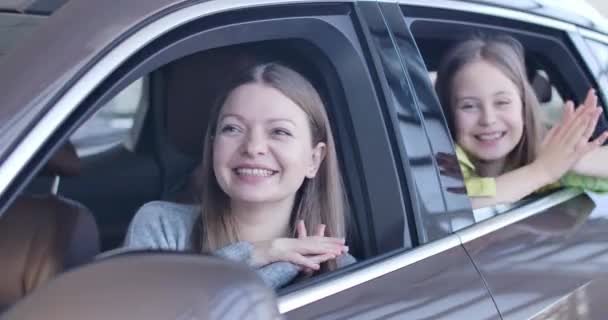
x=543, y=257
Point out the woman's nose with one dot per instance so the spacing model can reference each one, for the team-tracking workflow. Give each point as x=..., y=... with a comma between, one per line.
x=255, y=144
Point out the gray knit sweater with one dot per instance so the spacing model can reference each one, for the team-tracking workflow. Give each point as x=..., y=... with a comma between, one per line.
x=162, y=225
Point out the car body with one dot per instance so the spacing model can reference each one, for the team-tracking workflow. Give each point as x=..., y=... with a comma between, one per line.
x=423, y=252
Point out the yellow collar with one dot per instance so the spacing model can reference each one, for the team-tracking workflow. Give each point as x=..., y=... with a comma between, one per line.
x=463, y=158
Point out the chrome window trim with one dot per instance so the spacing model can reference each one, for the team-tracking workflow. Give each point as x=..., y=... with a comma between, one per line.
x=327, y=288
x=588, y=34
x=26, y=149
x=491, y=11
x=517, y=214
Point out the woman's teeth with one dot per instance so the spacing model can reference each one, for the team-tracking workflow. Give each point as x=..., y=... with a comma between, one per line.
x=489, y=136
x=254, y=172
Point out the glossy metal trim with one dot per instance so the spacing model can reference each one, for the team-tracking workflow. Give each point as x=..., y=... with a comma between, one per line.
x=327, y=288
x=25, y=150
x=593, y=35
x=492, y=11
x=517, y=214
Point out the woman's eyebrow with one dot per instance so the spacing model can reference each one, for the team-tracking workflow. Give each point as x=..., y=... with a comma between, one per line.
x=281, y=120
x=228, y=115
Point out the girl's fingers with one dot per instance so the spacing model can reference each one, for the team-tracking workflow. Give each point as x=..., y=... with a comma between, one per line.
x=591, y=99
x=568, y=112
x=599, y=141
x=592, y=124
x=550, y=134
x=576, y=130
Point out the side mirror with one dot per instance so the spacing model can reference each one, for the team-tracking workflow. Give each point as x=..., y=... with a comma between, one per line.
x=151, y=286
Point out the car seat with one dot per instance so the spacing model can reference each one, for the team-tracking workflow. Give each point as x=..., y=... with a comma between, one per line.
x=44, y=234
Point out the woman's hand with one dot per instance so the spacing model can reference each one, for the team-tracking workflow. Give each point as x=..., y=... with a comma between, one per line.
x=567, y=142
x=307, y=252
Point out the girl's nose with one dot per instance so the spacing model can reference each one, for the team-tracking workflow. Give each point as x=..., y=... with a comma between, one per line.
x=255, y=144
x=488, y=116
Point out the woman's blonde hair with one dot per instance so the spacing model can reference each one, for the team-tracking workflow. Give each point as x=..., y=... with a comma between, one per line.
x=507, y=54
x=320, y=200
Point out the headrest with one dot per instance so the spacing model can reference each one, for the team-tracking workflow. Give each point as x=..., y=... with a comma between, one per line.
x=193, y=86
x=542, y=87
x=64, y=162
x=151, y=286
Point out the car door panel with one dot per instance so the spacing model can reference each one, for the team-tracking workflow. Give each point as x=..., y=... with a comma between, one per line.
x=444, y=285
x=557, y=254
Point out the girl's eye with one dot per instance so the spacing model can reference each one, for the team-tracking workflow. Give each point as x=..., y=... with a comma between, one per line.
x=467, y=107
x=503, y=103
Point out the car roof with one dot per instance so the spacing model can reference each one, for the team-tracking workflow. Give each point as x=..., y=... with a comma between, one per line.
x=54, y=57
x=580, y=13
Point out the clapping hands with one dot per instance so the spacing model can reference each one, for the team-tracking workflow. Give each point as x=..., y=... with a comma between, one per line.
x=568, y=141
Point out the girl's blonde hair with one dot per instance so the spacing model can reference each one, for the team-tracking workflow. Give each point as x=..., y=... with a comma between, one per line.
x=507, y=54
x=320, y=200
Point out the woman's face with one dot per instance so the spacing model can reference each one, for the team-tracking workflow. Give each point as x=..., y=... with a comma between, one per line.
x=263, y=148
x=487, y=109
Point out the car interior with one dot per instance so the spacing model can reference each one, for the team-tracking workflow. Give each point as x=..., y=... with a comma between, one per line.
x=102, y=189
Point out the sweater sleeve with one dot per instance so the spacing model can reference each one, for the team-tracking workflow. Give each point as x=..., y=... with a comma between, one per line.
x=161, y=226
x=587, y=183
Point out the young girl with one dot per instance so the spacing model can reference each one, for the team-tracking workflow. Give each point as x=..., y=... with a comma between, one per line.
x=269, y=176
x=493, y=115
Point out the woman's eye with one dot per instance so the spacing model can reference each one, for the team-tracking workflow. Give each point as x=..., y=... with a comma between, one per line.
x=230, y=129
x=281, y=132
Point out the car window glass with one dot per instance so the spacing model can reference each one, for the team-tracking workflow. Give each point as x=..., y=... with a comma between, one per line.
x=113, y=124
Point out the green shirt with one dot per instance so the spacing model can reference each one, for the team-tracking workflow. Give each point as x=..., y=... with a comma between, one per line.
x=486, y=186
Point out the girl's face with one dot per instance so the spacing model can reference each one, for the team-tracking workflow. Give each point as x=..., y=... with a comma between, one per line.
x=263, y=148
x=487, y=108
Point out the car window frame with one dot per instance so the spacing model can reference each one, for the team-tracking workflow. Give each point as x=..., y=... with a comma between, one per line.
x=109, y=76
x=554, y=32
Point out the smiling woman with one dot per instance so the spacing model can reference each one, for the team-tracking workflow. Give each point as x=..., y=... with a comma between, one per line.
x=271, y=195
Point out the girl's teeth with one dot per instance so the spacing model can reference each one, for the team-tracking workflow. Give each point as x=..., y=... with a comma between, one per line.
x=490, y=136
x=254, y=172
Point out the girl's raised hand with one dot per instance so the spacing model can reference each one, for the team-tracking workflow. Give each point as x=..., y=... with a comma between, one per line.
x=568, y=141
x=307, y=252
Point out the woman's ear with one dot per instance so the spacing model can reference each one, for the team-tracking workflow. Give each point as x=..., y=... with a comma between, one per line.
x=318, y=154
